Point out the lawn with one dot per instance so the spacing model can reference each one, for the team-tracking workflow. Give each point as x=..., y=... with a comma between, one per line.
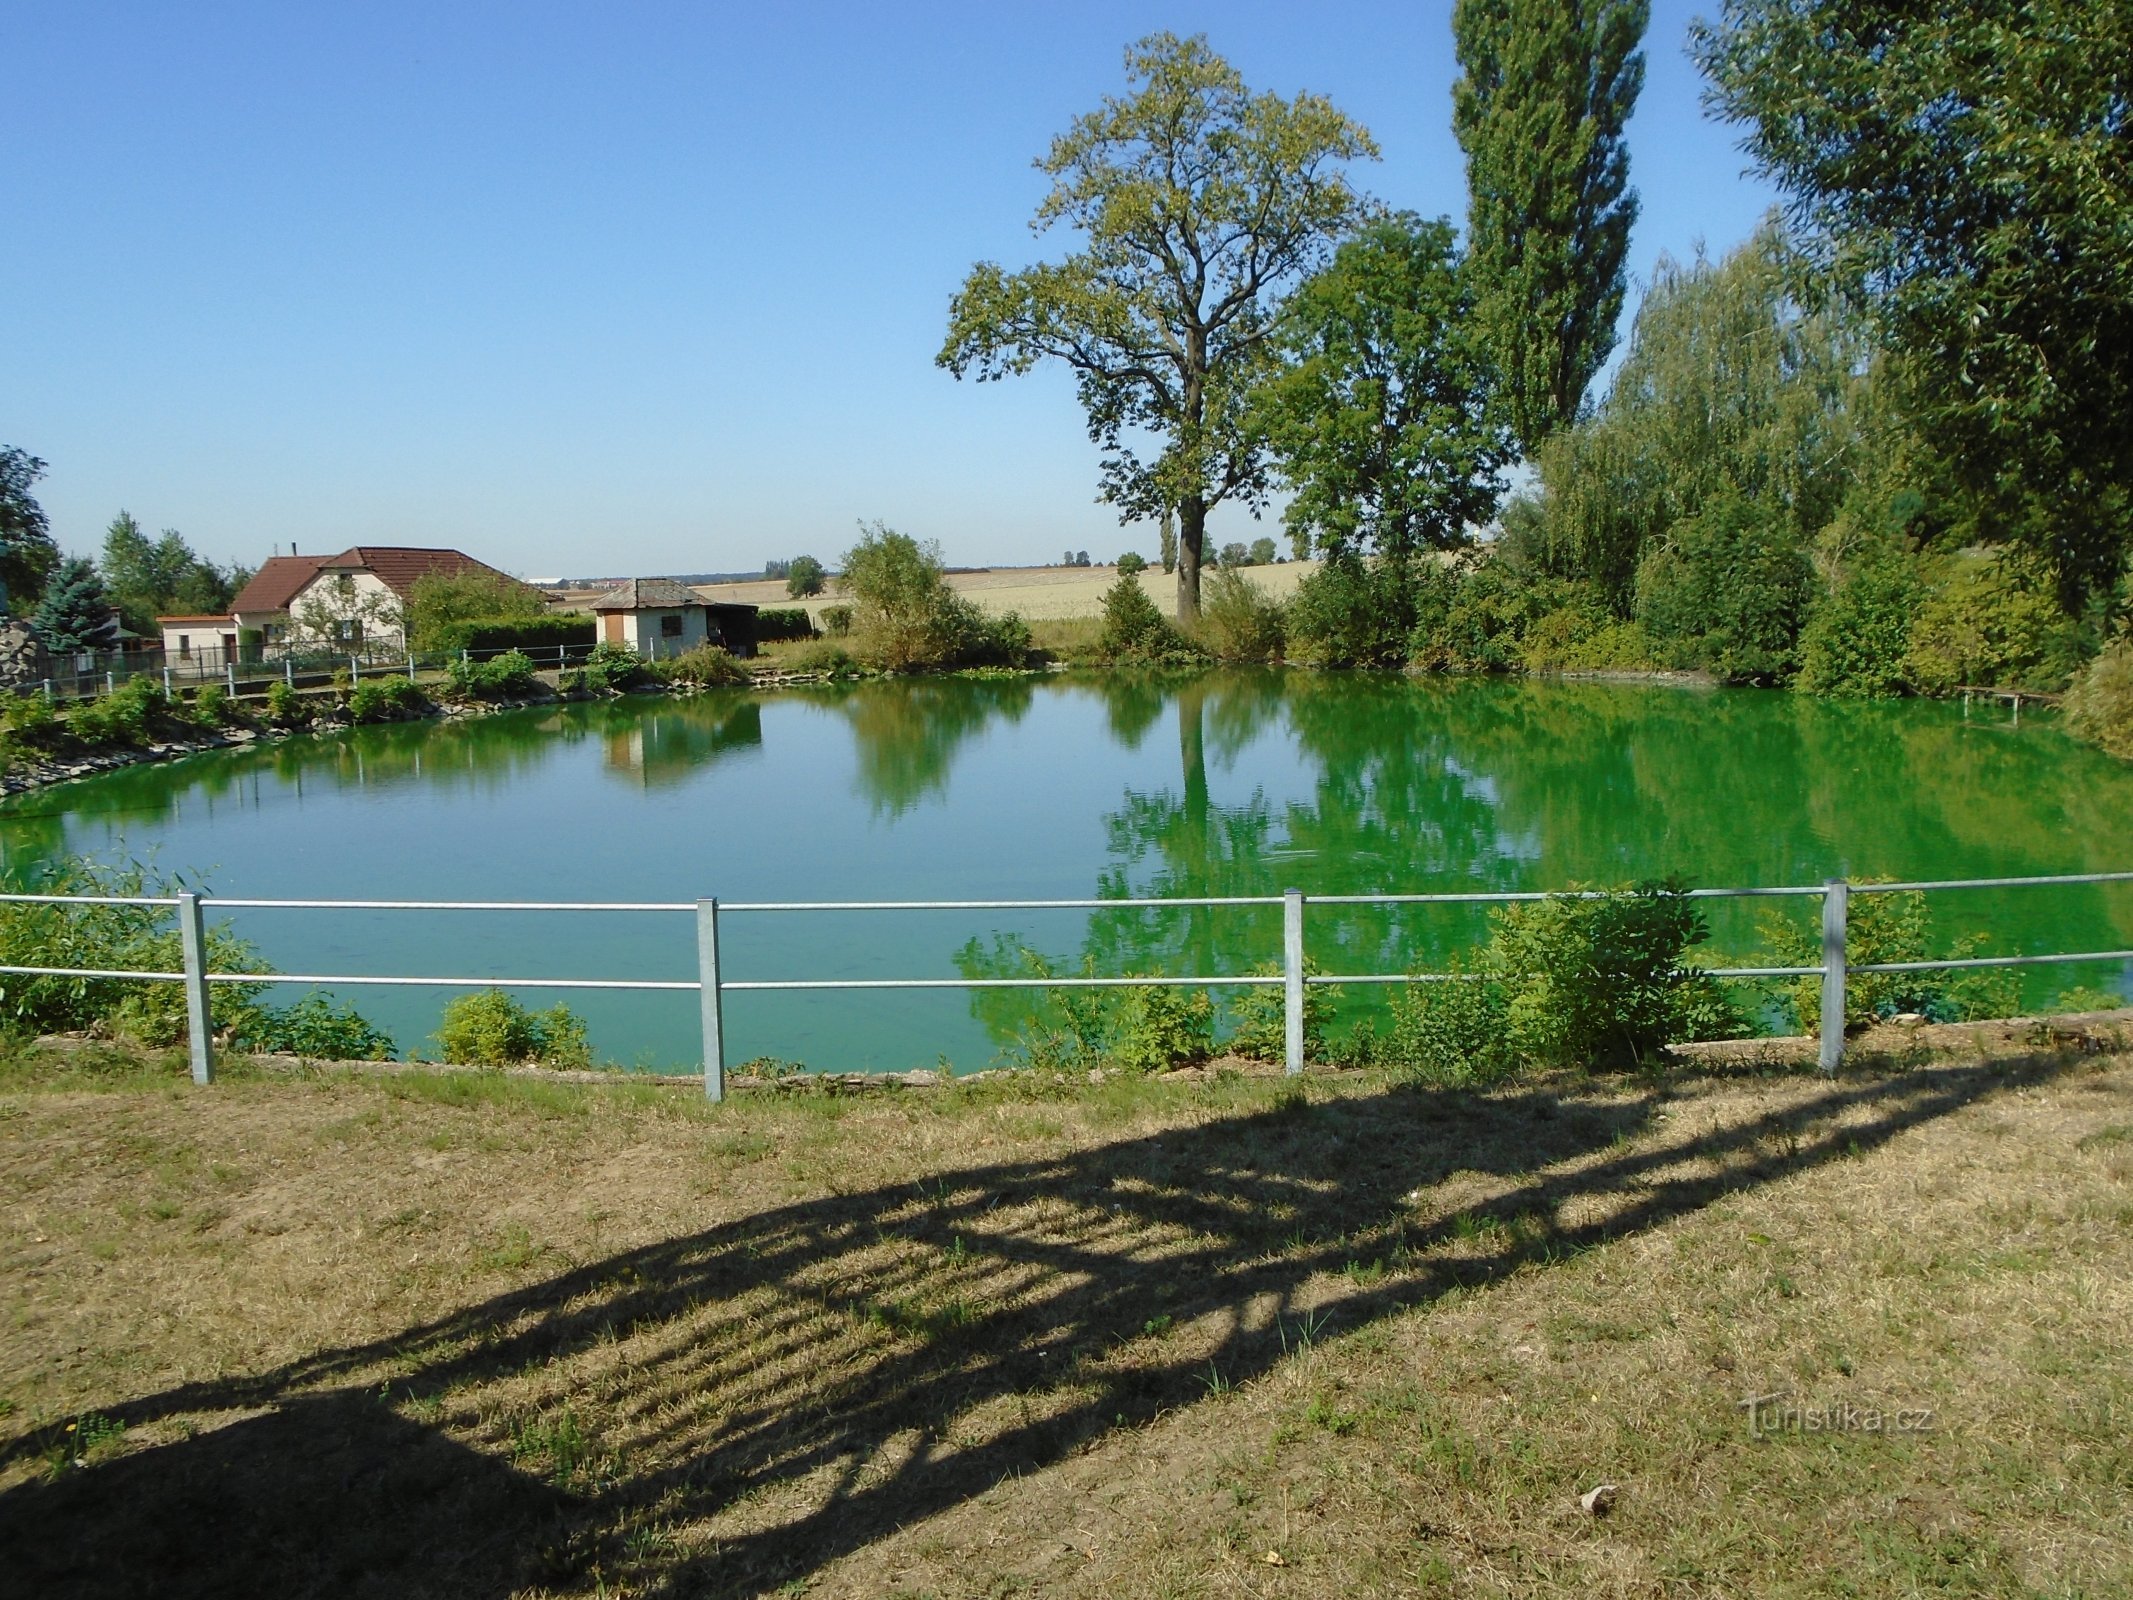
x=453, y=1333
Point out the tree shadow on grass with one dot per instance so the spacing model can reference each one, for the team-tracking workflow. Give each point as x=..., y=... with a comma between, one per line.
x=735, y=1409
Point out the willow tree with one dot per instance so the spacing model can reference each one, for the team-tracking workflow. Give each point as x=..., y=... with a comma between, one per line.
x=1199, y=204
x=1548, y=87
x=1966, y=172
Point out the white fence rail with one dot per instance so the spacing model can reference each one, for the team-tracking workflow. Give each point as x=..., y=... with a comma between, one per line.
x=1293, y=978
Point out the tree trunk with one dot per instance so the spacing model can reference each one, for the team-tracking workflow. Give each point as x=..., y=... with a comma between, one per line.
x=1192, y=538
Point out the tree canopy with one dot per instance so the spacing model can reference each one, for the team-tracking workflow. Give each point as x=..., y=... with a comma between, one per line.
x=147, y=579
x=27, y=553
x=1200, y=203
x=1548, y=89
x=1965, y=172
x=804, y=576
x=76, y=614
x=1383, y=421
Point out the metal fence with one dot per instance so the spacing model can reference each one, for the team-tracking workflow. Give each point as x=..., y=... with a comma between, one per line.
x=1293, y=978
x=242, y=674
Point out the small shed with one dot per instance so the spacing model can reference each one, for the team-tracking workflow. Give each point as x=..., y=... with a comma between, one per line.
x=658, y=617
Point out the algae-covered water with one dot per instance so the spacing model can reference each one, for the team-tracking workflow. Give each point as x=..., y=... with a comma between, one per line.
x=1030, y=788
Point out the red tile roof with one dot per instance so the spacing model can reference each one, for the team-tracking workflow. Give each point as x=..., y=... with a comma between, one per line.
x=274, y=585
x=398, y=566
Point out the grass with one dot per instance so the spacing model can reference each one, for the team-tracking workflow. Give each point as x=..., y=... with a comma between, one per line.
x=437, y=1333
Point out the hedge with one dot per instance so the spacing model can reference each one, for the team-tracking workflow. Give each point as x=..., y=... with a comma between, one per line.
x=514, y=633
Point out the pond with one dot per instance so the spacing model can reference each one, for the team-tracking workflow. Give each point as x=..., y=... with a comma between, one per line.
x=1030, y=788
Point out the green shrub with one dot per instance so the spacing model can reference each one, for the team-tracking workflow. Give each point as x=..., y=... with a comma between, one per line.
x=825, y=656
x=1582, y=635
x=490, y=1029
x=610, y=666
x=837, y=621
x=1728, y=590
x=285, y=707
x=1261, y=1017
x=2084, y=998
x=1856, y=645
x=1889, y=927
x=1136, y=633
x=32, y=718
x=906, y=618
x=1991, y=620
x=1448, y=1032
x=1475, y=618
x=386, y=700
x=707, y=666
x=1239, y=621
x=1353, y=613
x=773, y=624
x=121, y=937
x=483, y=634
x=1153, y=1030
x=212, y=707
x=314, y=1026
x=2099, y=705
x=498, y=678
x=129, y=717
x=1132, y=562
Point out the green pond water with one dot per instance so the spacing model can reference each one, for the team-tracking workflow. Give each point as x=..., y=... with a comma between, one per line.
x=1229, y=784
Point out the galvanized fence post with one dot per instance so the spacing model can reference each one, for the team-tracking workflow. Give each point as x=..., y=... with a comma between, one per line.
x=1836, y=906
x=714, y=1021
x=1292, y=974
x=192, y=940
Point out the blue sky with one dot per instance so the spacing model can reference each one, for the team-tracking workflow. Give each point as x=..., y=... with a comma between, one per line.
x=633, y=288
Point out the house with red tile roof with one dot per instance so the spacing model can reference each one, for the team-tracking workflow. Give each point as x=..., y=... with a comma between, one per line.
x=357, y=597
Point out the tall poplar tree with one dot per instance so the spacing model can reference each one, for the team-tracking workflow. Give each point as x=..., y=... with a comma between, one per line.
x=1548, y=88
x=1199, y=205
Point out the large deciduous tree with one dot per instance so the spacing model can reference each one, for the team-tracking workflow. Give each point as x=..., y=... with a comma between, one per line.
x=1200, y=204
x=1548, y=87
x=27, y=553
x=1383, y=421
x=147, y=579
x=1966, y=172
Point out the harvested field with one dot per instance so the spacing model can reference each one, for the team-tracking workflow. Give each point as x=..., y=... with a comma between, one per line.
x=465, y=1334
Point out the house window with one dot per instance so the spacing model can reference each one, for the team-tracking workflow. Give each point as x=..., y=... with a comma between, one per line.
x=344, y=585
x=185, y=644
x=670, y=627
x=348, y=631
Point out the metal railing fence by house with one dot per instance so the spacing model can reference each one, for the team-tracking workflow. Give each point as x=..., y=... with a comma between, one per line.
x=1293, y=976
x=92, y=676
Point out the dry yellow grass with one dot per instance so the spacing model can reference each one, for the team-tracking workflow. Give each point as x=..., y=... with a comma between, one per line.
x=1037, y=593
x=458, y=1334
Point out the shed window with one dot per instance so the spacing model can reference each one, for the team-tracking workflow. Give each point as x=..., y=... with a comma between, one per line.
x=185, y=644
x=670, y=627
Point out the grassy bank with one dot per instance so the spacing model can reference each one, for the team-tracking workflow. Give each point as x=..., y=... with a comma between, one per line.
x=426, y=1333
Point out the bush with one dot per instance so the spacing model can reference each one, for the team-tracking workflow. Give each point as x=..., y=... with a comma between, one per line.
x=1261, y=1016
x=1132, y=562
x=1889, y=927
x=490, y=1029
x=1475, y=619
x=1582, y=635
x=314, y=1026
x=1353, y=613
x=793, y=622
x=1992, y=620
x=286, y=708
x=442, y=606
x=2099, y=705
x=1135, y=632
x=386, y=700
x=211, y=706
x=906, y=618
x=1728, y=590
x=129, y=716
x=122, y=937
x=1239, y=621
x=32, y=718
x=611, y=666
x=1153, y=1030
x=1570, y=980
x=498, y=678
x=824, y=656
x=482, y=634
x=707, y=666
x=837, y=621
x=1856, y=645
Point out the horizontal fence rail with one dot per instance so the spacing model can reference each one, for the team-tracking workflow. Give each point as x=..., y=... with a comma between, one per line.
x=711, y=984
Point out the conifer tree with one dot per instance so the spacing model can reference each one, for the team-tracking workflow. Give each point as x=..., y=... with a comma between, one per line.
x=76, y=614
